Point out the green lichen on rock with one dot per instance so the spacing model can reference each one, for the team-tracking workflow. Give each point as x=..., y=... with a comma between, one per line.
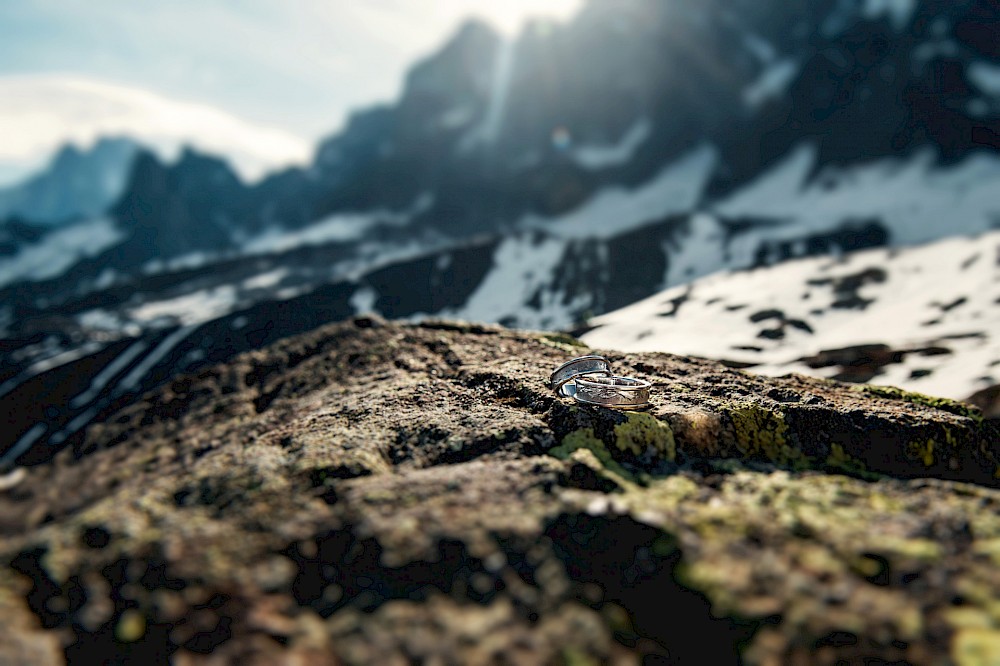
x=976, y=646
x=563, y=342
x=636, y=438
x=839, y=460
x=584, y=438
x=642, y=433
x=944, y=404
x=763, y=434
x=922, y=451
x=131, y=626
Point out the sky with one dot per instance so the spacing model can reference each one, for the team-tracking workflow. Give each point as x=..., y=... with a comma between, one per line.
x=257, y=80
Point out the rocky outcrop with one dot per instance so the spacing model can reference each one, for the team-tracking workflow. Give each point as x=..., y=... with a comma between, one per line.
x=371, y=492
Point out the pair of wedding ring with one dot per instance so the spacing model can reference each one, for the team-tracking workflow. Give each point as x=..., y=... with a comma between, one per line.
x=589, y=380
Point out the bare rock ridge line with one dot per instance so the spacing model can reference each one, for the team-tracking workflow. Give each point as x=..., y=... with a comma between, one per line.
x=372, y=491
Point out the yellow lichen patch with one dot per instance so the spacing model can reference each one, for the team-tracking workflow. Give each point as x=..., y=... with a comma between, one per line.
x=584, y=438
x=131, y=626
x=762, y=433
x=563, y=342
x=585, y=456
x=989, y=548
x=867, y=566
x=923, y=451
x=966, y=617
x=574, y=657
x=839, y=459
x=717, y=582
x=667, y=493
x=642, y=432
x=976, y=647
x=919, y=550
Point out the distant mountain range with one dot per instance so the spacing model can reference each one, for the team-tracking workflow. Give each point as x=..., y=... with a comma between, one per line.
x=77, y=184
x=537, y=182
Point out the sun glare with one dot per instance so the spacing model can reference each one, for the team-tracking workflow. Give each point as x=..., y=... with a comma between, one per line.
x=509, y=16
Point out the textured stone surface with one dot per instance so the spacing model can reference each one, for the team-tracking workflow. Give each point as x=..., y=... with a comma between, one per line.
x=381, y=493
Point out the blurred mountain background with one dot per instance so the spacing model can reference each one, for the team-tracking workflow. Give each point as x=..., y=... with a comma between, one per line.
x=739, y=180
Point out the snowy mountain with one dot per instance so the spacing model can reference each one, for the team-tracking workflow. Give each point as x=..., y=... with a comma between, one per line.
x=537, y=181
x=77, y=184
x=925, y=318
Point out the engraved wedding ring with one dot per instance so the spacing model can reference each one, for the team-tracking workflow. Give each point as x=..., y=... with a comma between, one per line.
x=589, y=380
x=614, y=391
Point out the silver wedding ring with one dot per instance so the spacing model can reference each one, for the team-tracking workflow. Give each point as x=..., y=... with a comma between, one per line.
x=589, y=380
x=561, y=379
x=614, y=391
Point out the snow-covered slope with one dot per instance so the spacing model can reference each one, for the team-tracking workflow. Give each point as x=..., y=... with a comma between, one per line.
x=667, y=232
x=54, y=252
x=924, y=318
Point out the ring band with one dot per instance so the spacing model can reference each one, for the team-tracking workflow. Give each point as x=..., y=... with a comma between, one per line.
x=613, y=391
x=570, y=370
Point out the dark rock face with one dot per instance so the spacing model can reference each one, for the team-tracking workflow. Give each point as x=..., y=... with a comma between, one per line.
x=988, y=400
x=170, y=211
x=371, y=492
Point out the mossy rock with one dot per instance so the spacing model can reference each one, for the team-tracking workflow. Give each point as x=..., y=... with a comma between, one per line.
x=417, y=493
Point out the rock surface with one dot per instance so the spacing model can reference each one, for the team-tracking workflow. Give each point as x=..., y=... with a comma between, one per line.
x=375, y=493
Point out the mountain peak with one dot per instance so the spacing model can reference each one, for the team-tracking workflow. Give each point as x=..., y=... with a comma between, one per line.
x=78, y=182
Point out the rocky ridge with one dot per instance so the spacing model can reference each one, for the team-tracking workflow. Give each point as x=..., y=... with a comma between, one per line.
x=371, y=492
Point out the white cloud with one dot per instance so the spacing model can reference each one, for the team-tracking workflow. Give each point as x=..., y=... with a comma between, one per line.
x=40, y=112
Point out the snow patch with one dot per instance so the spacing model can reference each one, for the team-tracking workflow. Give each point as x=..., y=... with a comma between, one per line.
x=761, y=48
x=182, y=262
x=133, y=378
x=614, y=211
x=986, y=77
x=59, y=250
x=701, y=246
x=363, y=300
x=101, y=379
x=338, y=228
x=602, y=156
x=899, y=11
x=911, y=198
x=189, y=309
x=772, y=82
x=523, y=269
x=22, y=444
x=266, y=280
x=457, y=118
